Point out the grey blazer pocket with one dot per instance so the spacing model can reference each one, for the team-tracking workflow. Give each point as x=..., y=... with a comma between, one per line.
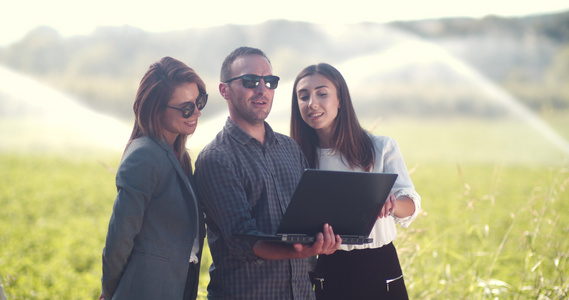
x=153, y=248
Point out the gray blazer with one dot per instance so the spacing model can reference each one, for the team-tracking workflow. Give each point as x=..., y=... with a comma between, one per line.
x=155, y=220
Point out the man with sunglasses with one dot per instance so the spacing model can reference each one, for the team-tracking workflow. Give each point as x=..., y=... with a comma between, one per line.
x=245, y=178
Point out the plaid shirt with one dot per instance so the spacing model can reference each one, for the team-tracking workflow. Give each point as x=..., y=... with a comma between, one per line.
x=246, y=187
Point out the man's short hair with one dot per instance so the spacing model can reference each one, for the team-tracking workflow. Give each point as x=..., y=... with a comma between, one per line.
x=241, y=51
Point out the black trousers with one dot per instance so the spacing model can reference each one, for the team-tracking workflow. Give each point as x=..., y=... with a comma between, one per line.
x=192, y=282
x=360, y=274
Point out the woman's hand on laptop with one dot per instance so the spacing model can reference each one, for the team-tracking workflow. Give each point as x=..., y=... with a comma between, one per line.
x=397, y=207
x=389, y=207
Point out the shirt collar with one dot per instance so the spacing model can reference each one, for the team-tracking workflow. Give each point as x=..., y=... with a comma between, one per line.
x=243, y=137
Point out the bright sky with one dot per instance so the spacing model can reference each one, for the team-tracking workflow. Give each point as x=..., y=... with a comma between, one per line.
x=76, y=17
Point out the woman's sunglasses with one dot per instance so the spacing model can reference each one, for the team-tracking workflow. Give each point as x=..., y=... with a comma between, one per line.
x=188, y=110
x=250, y=81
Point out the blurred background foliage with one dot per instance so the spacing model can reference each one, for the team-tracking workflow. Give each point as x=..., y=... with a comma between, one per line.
x=526, y=56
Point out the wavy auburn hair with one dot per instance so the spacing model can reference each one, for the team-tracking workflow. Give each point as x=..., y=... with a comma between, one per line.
x=154, y=92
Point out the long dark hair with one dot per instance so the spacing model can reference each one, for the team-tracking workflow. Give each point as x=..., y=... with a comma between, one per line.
x=348, y=137
x=155, y=90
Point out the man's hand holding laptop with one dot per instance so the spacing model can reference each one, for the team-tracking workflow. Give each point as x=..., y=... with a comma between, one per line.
x=326, y=243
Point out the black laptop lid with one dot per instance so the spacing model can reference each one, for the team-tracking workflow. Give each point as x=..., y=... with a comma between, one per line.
x=349, y=201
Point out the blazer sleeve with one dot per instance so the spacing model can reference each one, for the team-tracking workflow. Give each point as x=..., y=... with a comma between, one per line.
x=136, y=180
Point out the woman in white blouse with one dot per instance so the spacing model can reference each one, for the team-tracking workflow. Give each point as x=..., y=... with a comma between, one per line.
x=324, y=124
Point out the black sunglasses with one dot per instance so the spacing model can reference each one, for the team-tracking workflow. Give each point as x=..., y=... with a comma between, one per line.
x=188, y=110
x=252, y=81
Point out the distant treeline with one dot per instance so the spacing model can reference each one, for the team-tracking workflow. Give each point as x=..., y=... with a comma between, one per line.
x=528, y=57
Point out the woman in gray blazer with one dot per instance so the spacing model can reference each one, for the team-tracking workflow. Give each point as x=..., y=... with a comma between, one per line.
x=156, y=230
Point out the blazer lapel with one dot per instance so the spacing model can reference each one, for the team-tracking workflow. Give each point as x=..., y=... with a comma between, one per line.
x=176, y=164
x=185, y=177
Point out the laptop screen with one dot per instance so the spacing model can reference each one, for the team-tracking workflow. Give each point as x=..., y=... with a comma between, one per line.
x=349, y=201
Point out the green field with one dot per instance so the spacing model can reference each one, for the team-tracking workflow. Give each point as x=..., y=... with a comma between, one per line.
x=486, y=231
x=494, y=224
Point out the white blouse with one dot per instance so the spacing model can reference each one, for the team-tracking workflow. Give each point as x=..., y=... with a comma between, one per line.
x=388, y=159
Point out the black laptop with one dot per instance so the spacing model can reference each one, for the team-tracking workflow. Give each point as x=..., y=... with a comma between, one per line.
x=349, y=201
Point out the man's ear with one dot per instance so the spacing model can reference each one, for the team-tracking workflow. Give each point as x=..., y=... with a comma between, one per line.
x=223, y=90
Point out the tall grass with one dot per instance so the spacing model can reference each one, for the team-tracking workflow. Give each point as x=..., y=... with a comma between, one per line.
x=486, y=231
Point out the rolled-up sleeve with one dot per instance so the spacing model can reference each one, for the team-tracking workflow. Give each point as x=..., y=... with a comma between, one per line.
x=394, y=163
